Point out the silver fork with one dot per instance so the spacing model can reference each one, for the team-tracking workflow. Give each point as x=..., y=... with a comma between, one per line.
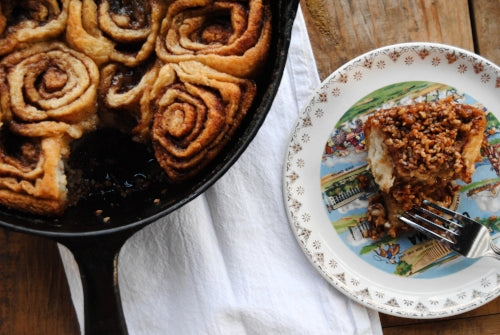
x=459, y=232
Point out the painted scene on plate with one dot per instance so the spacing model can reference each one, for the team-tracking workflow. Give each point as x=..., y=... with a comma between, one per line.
x=347, y=184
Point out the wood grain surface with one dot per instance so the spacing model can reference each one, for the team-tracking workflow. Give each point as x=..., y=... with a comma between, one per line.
x=341, y=30
x=34, y=294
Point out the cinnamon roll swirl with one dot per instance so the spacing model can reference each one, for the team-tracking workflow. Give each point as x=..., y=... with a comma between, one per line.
x=229, y=36
x=175, y=75
x=48, y=97
x=48, y=89
x=196, y=110
x=25, y=21
x=122, y=93
x=111, y=30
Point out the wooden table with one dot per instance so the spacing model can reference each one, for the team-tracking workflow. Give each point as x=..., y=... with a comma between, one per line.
x=34, y=294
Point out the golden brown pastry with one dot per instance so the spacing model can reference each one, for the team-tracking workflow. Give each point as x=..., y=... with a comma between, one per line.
x=32, y=175
x=47, y=97
x=119, y=31
x=25, y=21
x=417, y=152
x=122, y=92
x=229, y=36
x=196, y=109
x=48, y=88
x=182, y=93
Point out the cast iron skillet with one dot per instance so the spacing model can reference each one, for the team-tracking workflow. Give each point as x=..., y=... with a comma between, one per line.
x=133, y=195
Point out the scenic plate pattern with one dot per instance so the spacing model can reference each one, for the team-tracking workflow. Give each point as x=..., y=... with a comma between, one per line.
x=410, y=276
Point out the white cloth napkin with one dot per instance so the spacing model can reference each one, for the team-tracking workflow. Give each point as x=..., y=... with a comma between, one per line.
x=228, y=262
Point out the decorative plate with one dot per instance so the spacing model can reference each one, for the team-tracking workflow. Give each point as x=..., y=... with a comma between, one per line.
x=409, y=276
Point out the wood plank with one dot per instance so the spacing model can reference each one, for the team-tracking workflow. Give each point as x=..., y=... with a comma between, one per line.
x=487, y=324
x=341, y=30
x=487, y=32
x=34, y=293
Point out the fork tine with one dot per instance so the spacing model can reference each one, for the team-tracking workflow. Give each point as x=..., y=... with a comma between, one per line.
x=445, y=210
x=466, y=236
x=438, y=217
x=433, y=224
x=423, y=229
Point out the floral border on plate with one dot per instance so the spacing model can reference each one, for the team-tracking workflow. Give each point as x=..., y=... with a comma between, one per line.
x=483, y=290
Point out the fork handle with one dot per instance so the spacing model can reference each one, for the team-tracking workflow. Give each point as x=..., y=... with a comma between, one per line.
x=494, y=251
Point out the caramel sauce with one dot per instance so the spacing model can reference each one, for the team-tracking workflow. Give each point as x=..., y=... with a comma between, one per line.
x=127, y=78
x=137, y=11
x=106, y=167
x=19, y=151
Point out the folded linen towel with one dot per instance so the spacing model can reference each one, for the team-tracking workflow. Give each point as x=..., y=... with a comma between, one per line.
x=228, y=262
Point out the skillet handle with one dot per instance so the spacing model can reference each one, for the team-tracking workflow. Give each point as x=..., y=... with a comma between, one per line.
x=97, y=259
